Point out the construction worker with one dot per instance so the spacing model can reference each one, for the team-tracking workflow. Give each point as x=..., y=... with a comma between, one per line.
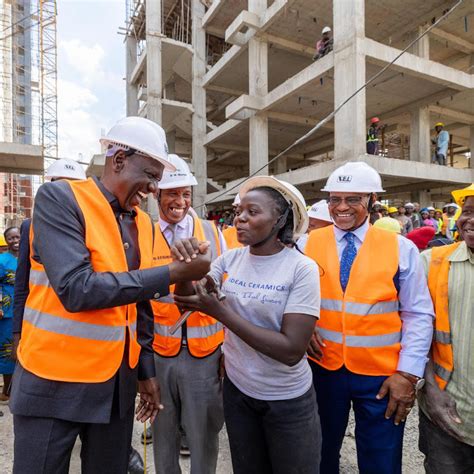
x=388, y=223
x=87, y=326
x=186, y=362
x=449, y=220
x=373, y=136
x=441, y=142
x=405, y=221
x=230, y=234
x=319, y=217
x=413, y=215
x=370, y=344
x=272, y=302
x=325, y=44
x=446, y=409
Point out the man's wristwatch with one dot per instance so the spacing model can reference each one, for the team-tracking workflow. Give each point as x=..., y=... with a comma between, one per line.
x=418, y=382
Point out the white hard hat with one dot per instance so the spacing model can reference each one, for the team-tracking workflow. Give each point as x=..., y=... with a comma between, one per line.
x=430, y=208
x=451, y=204
x=320, y=210
x=179, y=178
x=409, y=204
x=356, y=177
x=236, y=201
x=326, y=29
x=291, y=194
x=64, y=168
x=142, y=135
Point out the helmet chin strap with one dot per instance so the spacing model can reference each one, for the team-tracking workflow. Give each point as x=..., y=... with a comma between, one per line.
x=280, y=223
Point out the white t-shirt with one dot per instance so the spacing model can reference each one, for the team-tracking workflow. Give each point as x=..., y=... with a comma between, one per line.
x=261, y=289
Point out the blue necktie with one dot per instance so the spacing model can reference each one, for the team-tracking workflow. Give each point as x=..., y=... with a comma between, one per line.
x=348, y=256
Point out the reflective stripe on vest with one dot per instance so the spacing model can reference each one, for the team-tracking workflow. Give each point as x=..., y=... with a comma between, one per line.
x=85, y=346
x=204, y=334
x=438, y=276
x=361, y=326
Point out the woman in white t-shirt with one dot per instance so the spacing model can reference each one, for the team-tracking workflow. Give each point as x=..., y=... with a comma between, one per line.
x=272, y=302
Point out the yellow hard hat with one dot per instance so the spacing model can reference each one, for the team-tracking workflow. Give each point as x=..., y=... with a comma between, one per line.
x=392, y=209
x=3, y=242
x=388, y=223
x=439, y=124
x=460, y=195
x=439, y=210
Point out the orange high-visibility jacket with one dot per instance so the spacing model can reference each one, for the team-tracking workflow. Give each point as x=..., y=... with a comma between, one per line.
x=204, y=333
x=86, y=346
x=230, y=236
x=360, y=327
x=442, y=349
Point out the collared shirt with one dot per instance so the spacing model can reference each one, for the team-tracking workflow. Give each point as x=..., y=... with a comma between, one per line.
x=416, y=307
x=461, y=321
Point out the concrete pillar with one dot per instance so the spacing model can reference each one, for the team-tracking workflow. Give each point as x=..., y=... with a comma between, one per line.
x=349, y=74
x=130, y=63
x=420, y=149
x=199, y=152
x=423, y=197
x=422, y=47
x=471, y=146
x=258, y=86
x=153, y=60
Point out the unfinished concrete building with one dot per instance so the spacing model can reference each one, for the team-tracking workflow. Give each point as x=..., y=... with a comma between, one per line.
x=233, y=82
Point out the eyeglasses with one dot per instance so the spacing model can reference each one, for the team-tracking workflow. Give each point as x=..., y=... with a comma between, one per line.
x=350, y=200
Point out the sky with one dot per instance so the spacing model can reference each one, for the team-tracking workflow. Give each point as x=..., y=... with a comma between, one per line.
x=91, y=71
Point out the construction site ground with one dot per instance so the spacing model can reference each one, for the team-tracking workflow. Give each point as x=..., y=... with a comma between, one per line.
x=412, y=458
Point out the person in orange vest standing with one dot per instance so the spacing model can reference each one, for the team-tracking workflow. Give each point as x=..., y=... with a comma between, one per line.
x=87, y=325
x=446, y=409
x=187, y=361
x=230, y=234
x=371, y=342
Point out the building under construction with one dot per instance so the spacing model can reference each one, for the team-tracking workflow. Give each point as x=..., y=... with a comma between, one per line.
x=233, y=82
x=28, y=102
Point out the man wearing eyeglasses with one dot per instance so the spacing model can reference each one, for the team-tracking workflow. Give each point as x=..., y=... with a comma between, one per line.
x=370, y=345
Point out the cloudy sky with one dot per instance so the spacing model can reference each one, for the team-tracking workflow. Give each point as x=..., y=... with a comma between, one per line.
x=91, y=70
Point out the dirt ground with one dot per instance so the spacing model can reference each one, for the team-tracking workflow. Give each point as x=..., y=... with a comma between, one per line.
x=412, y=458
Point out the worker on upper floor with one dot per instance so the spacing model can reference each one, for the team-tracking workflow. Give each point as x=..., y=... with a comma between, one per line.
x=441, y=142
x=230, y=233
x=370, y=345
x=87, y=326
x=373, y=136
x=325, y=44
x=187, y=362
x=446, y=408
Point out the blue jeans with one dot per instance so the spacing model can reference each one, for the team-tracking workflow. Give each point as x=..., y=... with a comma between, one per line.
x=379, y=442
x=272, y=437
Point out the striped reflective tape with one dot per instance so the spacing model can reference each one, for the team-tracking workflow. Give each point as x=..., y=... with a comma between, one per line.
x=329, y=335
x=442, y=373
x=373, y=341
x=73, y=328
x=39, y=278
x=164, y=331
x=331, y=305
x=201, y=332
x=364, y=309
x=442, y=336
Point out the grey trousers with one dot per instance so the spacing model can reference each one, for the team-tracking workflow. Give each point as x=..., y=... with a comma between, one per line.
x=191, y=393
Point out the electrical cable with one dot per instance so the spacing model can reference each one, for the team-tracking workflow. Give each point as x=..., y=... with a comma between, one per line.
x=334, y=112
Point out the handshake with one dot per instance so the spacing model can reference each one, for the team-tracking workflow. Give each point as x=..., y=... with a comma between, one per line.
x=191, y=260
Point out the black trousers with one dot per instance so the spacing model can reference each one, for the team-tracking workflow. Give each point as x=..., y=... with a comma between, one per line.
x=272, y=437
x=44, y=445
x=443, y=453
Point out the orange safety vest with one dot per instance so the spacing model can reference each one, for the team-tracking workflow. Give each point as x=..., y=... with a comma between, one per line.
x=204, y=333
x=360, y=327
x=230, y=236
x=442, y=349
x=86, y=346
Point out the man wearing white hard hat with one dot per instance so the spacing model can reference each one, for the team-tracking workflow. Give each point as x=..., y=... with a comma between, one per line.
x=230, y=233
x=186, y=361
x=325, y=44
x=449, y=219
x=88, y=325
x=371, y=343
x=319, y=217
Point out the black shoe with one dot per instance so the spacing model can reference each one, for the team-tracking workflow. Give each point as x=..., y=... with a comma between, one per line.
x=135, y=462
x=149, y=436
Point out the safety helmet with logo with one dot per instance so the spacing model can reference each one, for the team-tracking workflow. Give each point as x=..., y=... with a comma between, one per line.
x=460, y=195
x=139, y=135
x=179, y=178
x=291, y=194
x=326, y=29
x=356, y=177
x=319, y=210
x=439, y=124
x=67, y=169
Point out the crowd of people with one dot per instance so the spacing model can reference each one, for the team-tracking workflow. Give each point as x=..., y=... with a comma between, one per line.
x=276, y=326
